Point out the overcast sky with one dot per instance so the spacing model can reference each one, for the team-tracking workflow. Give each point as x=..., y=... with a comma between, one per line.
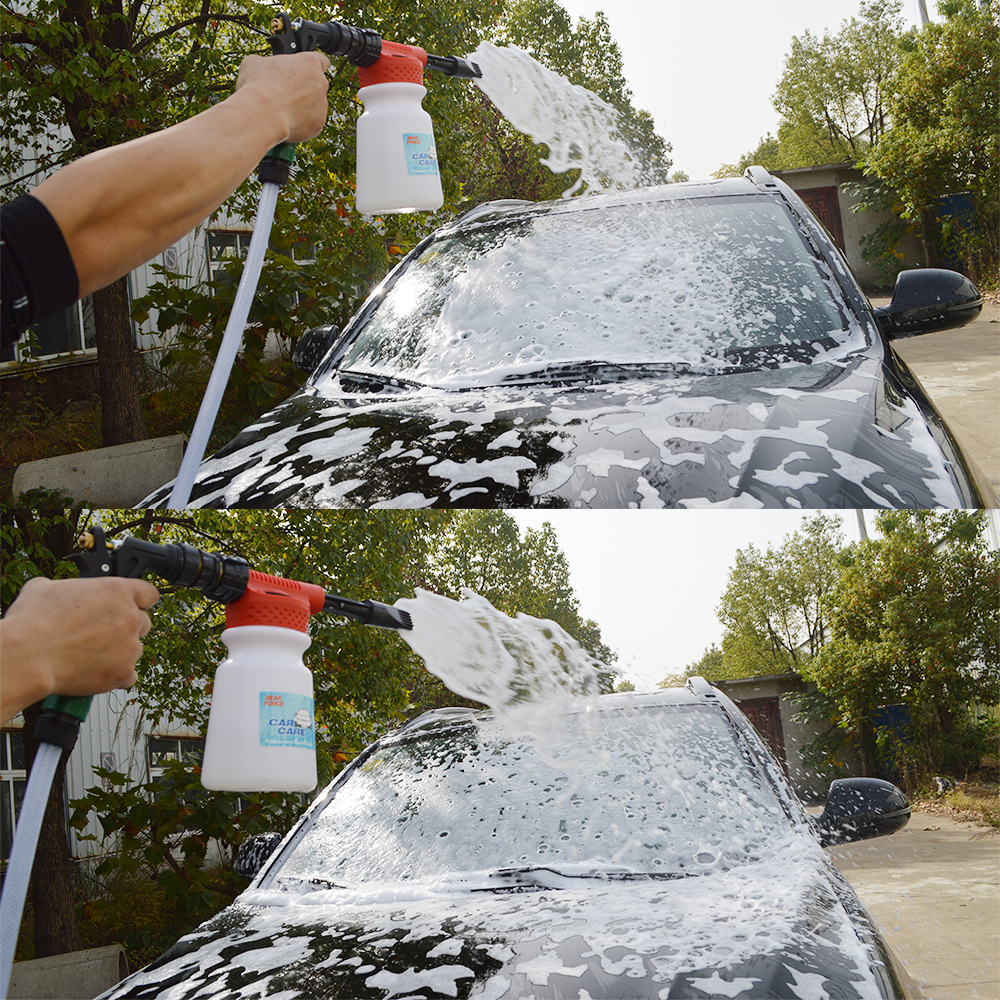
x=706, y=71
x=652, y=579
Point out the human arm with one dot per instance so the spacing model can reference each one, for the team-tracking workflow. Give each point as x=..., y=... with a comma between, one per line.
x=118, y=207
x=71, y=637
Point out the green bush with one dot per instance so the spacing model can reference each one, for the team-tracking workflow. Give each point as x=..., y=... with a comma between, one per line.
x=161, y=831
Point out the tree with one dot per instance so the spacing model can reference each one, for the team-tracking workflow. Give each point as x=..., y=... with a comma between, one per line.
x=833, y=93
x=767, y=155
x=106, y=74
x=710, y=666
x=944, y=138
x=912, y=621
x=772, y=608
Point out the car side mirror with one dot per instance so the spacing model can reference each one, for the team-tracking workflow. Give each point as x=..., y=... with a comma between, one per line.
x=927, y=299
x=311, y=347
x=253, y=852
x=859, y=809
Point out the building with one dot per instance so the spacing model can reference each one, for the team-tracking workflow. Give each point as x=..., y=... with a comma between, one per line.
x=824, y=189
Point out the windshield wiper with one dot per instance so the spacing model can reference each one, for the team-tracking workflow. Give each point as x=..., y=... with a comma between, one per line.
x=520, y=879
x=597, y=372
x=375, y=382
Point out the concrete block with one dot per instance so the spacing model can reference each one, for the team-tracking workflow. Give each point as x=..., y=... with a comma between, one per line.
x=119, y=476
x=80, y=974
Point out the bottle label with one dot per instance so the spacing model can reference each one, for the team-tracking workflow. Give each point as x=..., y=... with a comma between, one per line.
x=286, y=720
x=421, y=154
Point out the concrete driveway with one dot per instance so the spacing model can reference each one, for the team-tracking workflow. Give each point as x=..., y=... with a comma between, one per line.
x=960, y=371
x=934, y=889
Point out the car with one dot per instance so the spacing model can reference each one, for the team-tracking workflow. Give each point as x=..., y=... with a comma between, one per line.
x=692, y=345
x=654, y=849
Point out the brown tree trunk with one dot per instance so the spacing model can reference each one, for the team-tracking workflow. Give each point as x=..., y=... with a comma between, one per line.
x=868, y=749
x=122, y=419
x=52, y=891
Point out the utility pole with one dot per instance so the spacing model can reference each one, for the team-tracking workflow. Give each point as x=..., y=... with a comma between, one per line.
x=922, y=11
x=862, y=530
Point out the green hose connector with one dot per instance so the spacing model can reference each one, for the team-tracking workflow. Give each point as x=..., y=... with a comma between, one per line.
x=78, y=707
x=276, y=166
x=60, y=720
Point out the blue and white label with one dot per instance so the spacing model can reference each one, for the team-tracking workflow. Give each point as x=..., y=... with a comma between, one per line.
x=286, y=720
x=421, y=154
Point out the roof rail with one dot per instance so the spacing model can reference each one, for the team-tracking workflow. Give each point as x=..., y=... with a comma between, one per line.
x=761, y=177
x=700, y=687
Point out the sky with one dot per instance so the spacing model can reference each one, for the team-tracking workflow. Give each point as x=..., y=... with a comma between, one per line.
x=653, y=582
x=706, y=72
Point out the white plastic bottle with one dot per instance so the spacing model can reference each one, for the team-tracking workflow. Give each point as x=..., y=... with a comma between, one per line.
x=262, y=724
x=397, y=154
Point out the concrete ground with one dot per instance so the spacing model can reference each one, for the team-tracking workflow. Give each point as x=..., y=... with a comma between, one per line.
x=934, y=889
x=960, y=371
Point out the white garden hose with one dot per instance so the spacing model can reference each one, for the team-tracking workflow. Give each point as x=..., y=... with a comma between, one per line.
x=22, y=855
x=231, y=341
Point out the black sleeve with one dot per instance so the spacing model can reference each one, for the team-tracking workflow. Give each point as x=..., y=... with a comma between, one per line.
x=37, y=274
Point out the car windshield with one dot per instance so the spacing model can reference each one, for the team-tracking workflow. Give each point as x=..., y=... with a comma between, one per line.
x=652, y=792
x=691, y=283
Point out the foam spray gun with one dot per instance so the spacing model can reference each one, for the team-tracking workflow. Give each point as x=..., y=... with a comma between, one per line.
x=397, y=168
x=261, y=727
x=397, y=171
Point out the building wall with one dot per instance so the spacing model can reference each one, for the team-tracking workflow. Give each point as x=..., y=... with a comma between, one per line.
x=855, y=224
x=113, y=736
x=787, y=688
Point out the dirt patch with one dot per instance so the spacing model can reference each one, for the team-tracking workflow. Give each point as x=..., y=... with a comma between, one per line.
x=965, y=802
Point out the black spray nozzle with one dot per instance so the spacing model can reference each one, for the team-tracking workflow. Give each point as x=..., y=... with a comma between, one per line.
x=369, y=612
x=453, y=66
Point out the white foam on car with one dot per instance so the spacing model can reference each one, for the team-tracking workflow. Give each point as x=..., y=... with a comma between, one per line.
x=580, y=129
x=662, y=283
x=530, y=671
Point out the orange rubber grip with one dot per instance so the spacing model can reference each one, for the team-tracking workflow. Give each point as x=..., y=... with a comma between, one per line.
x=272, y=600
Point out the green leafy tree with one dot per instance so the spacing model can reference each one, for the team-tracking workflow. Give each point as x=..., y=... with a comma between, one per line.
x=772, y=607
x=79, y=77
x=710, y=666
x=163, y=829
x=767, y=154
x=912, y=620
x=944, y=137
x=833, y=94
x=365, y=679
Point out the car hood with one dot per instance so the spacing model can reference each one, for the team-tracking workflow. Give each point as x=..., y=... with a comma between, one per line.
x=776, y=929
x=844, y=432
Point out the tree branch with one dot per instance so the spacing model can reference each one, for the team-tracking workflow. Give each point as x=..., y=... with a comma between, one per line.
x=200, y=19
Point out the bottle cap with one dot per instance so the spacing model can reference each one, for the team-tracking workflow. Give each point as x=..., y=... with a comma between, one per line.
x=397, y=64
x=272, y=600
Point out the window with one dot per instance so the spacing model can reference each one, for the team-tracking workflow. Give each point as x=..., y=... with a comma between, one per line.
x=160, y=749
x=73, y=329
x=223, y=246
x=12, y=781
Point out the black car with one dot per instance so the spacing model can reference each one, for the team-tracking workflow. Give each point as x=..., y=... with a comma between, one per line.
x=660, y=854
x=694, y=345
